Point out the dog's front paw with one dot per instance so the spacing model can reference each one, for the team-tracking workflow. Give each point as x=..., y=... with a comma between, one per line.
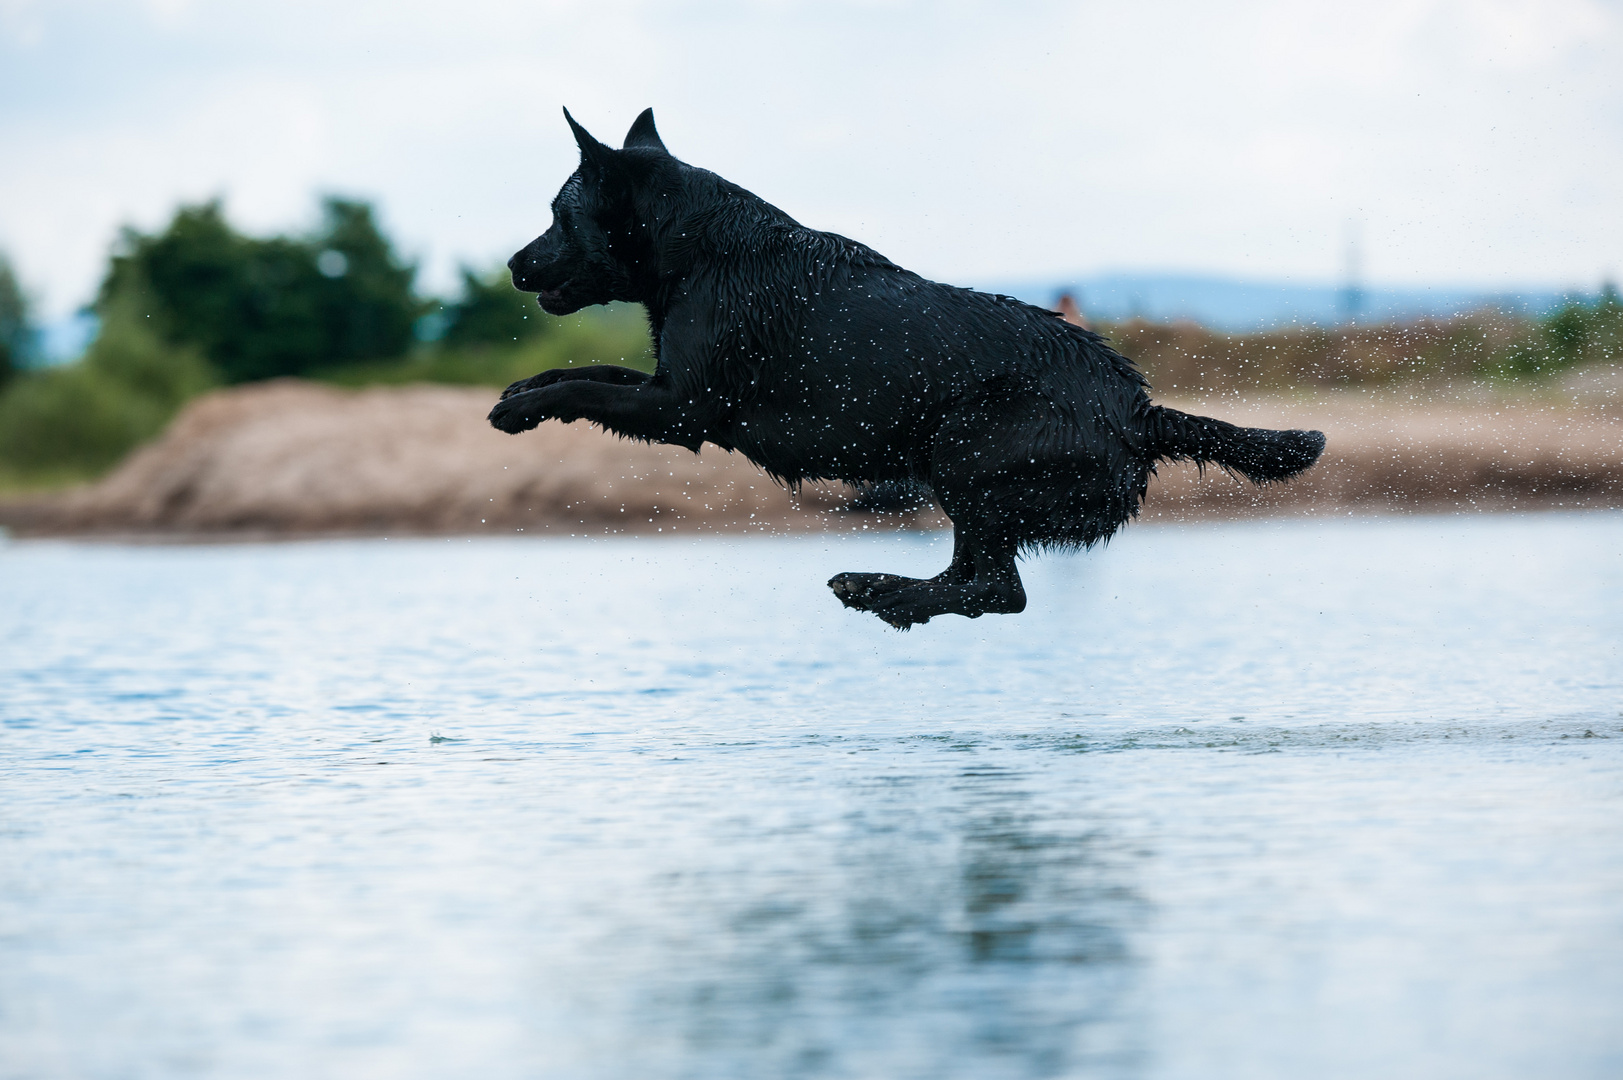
x=534, y=382
x=521, y=412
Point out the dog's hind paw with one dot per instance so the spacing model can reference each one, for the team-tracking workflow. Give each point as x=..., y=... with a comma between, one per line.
x=902, y=610
x=902, y=622
x=906, y=607
x=861, y=591
x=518, y=413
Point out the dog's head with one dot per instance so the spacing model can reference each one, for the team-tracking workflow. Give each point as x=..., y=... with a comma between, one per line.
x=600, y=246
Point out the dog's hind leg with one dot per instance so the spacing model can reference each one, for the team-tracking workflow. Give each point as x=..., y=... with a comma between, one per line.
x=984, y=456
x=982, y=580
x=863, y=591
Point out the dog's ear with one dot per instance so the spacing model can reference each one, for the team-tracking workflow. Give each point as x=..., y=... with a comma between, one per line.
x=642, y=133
x=591, y=151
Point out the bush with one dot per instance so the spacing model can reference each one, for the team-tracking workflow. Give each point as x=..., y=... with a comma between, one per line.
x=72, y=422
x=1577, y=334
x=492, y=313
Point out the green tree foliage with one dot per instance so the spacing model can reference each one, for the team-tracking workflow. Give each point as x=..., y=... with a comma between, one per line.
x=16, y=334
x=261, y=307
x=367, y=304
x=491, y=313
x=73, y=421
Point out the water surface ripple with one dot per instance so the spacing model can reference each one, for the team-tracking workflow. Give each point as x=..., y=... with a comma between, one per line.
x=1314, y=798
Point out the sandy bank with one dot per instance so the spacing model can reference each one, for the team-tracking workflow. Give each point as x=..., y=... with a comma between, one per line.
x=1384, y=454
x=292, y=458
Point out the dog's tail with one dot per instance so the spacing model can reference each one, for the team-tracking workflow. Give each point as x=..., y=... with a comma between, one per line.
x=1258, y=454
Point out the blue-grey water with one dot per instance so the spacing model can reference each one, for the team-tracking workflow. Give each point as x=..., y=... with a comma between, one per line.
x=1289, y=799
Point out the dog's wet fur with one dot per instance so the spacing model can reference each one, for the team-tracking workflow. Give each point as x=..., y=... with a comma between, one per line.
x=819, y=359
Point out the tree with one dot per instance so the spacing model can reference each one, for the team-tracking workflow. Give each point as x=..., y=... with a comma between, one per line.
x=492, y=312
x=262, y=307
x=366, y=300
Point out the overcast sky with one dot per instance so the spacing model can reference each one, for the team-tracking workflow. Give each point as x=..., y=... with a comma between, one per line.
x=1476, y=143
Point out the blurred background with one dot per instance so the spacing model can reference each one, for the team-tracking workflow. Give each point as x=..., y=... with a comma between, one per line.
x=1261, y=198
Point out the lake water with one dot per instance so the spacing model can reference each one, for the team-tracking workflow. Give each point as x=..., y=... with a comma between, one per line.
x=1296, y=799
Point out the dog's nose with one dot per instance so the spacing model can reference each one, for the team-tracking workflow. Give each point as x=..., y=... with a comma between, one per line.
x=517, y=268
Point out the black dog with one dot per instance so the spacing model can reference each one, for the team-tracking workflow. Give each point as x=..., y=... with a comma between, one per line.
x=818, y=358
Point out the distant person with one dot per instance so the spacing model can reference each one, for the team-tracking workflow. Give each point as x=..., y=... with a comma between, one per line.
x=1070, y=311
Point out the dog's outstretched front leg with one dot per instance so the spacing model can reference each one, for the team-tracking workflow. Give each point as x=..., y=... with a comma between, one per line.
x=605, y=373
x=650, y=409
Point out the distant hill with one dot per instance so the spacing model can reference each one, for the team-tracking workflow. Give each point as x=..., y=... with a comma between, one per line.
x=1236, y=304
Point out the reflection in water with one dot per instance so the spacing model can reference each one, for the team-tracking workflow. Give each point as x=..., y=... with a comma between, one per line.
x=1047, y=917
x=942, y=925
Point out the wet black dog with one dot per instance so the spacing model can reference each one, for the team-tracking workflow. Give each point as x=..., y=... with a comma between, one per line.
x=818, y=358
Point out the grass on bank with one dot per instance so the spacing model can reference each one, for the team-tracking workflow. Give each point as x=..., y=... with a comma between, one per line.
x=66, y=424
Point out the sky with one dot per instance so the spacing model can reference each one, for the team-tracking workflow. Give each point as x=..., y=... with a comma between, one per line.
x=1476, y=143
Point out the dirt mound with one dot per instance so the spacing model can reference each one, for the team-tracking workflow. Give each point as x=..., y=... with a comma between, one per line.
x=1388, y=456
x=290, y=458
x=293, y=458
